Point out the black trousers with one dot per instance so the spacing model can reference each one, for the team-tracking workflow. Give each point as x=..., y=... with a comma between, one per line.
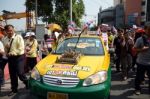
x=140, y=75
x=118, y=62
x=133, y=62
x=3, y=63
x=16, y=69
x=31, y=62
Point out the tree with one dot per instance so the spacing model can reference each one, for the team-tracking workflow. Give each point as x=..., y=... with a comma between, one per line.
x=62, y=11
x=45, y=8
x=57, y=11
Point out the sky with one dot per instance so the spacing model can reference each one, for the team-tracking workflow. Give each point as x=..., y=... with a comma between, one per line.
x=91, y=10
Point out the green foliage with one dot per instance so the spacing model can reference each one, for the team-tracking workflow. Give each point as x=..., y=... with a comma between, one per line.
x=57, y=11
x=45, y=8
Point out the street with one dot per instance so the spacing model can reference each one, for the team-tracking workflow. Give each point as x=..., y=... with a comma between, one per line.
x=120, y=89
x=75, y=49
x=125, y=89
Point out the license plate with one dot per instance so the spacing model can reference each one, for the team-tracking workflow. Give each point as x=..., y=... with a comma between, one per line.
x=53, y=95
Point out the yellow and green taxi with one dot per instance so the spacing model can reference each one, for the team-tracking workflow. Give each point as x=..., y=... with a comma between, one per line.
x=77, y=69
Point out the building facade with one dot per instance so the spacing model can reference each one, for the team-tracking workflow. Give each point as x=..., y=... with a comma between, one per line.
x=113, y=16
x=106, y=16
x=136, y=11
x=126, y=12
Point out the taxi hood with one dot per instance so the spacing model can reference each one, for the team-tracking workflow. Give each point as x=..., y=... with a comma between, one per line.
x=86, y=66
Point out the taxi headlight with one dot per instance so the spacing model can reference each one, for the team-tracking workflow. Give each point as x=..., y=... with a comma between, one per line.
x=35, y=74
x=97, y=78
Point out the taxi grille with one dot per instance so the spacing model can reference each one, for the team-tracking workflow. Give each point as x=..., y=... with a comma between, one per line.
x=60, y=81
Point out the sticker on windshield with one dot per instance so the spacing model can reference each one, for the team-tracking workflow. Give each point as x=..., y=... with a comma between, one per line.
x=97, y=43
x=81, y=45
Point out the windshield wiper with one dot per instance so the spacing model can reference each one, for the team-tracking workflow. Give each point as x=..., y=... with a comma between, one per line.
x=79, y=38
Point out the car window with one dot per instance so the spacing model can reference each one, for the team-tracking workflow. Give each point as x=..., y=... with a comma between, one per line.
x=87, y=46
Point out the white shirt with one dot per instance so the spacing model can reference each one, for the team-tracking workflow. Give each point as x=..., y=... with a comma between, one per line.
x=1, y=46
x=2, y=49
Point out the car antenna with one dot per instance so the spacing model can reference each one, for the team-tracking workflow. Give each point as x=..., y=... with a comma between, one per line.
x=79, y=37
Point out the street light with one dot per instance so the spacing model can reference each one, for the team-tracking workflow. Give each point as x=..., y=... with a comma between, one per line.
x=36, y=13
x=70, y=10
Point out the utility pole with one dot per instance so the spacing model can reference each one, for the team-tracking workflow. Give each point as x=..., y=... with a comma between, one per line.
x=36, y=13
x=70, y=10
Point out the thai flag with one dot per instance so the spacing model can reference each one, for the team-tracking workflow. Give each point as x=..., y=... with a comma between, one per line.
x=87, y=24
x=99, y=31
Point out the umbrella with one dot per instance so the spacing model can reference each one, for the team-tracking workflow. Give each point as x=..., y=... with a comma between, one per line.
x=54, y=26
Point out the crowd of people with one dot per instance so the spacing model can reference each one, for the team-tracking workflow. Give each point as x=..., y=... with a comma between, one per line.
x=132, y=52
x=22, y=53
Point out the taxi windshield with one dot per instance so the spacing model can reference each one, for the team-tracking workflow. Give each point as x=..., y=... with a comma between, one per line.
x=86, y=46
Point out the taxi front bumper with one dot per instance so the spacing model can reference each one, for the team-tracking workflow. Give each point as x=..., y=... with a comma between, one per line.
x=100, y=91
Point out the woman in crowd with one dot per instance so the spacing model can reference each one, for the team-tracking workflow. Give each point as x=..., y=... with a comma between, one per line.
x=31, y=51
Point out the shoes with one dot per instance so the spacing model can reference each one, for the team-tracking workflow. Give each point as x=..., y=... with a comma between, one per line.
x=12, y=93
x=125, y=78
x=146, y=76
x=137, y=92
x=3, y=82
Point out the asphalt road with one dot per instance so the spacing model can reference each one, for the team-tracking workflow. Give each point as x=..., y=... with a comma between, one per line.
x=120, y=89
x=125, y=89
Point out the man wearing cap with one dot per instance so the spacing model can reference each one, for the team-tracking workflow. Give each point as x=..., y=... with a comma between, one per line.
x=142, y=46
x=14, y=48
